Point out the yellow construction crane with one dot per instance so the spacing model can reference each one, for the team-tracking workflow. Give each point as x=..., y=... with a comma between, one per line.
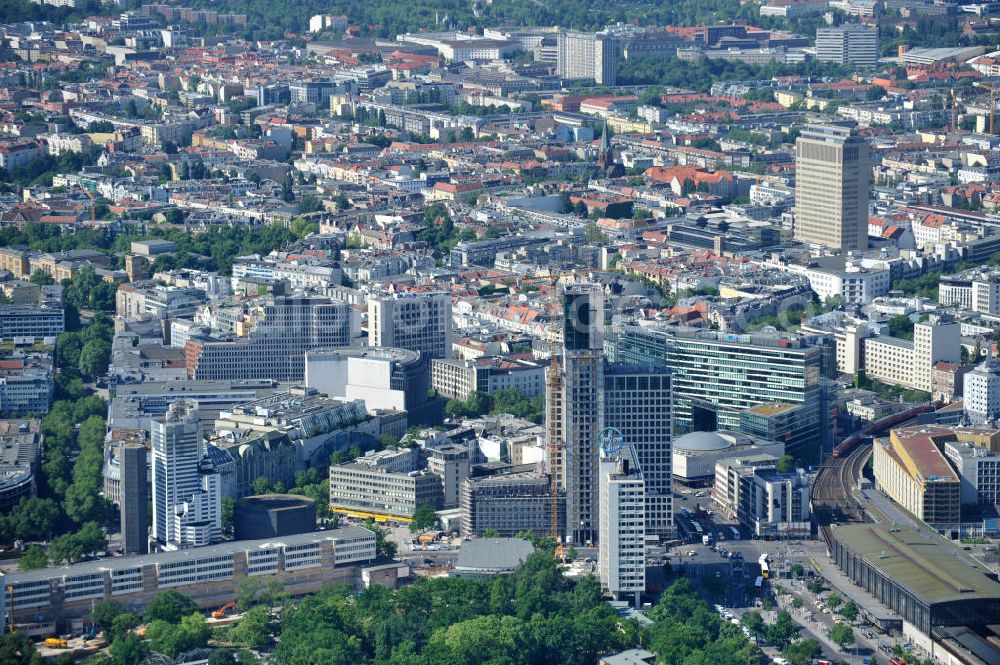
x=993, y=90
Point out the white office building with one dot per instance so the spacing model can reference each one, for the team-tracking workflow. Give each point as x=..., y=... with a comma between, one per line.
x=978, y=472
x=187, y=493
x=981, y=393
x=414, y=321
x=848, y=44
x=622, y=557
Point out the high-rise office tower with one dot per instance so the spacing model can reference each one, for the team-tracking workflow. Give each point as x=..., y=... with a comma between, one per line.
x=414, y=321
x=187, y=494
x=135, y=497
x=622, y=555
x=575, y=409
x=638, y=404
x=832, y=173
x=849, y=44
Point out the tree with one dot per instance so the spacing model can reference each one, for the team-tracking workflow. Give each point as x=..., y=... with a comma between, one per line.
x=191, y=633
x=842, y=635
x=41, y=278
x=753, y=622
x=253, y=629
x=18, y=649
x=424, y=517
x=849, y=611
x=786, y=464
x=228, y=512
x=834, y=601
x=797, y=570
x=33, y=559
x=170, y=607
x=802, y=652
x=491, y=533
x=104, y=613
x=383, y=546
x=94, y=359
x=129, y=649
x=261, y=485
x=783, y=630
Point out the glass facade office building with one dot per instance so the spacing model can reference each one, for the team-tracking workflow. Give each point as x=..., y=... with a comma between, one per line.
x=716, y=376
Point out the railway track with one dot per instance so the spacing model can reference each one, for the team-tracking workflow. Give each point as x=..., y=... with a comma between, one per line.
x=835, y=496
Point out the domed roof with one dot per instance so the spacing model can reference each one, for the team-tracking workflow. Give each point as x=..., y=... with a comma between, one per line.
x=702, y=442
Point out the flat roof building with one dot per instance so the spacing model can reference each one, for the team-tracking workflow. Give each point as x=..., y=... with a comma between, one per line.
x=209, y=575
x=918, y=574
x=910, y=468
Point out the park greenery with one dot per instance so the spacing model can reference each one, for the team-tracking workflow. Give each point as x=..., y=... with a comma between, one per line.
x=508, y=400
x=535, y=615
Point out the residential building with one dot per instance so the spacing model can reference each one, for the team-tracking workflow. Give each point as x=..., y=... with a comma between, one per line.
x=25, y=387
x=981, y=393
x=451, y=464
x=385, y=378
x=778, y=504
x=848, y=44
x=622, y=555
x=488, y=374
x=255, y=454
x=733, y=476
x=187, y=498
x=789, y=424
x=911, y=469
x=574, y=413
x=638, y=404
x=317, y=425
x=414, y=321
x=911, y=363
x=832, y=172
x=30, y=322
x=587, y=55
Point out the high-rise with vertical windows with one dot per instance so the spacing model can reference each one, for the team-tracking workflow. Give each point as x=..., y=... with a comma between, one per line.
x=832, y=174
x=579, y=407
x=414, y=321
x=622, y=555
x=637, y=403
x=848, y=44
x=590, y=395
x=187, y=493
